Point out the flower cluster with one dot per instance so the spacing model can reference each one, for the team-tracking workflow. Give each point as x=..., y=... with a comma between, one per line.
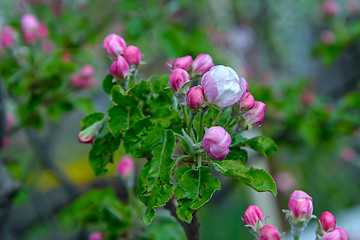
x=85, y=78
x=125, y=56
x=299, y=214
x=206, y=86
x=32, y=31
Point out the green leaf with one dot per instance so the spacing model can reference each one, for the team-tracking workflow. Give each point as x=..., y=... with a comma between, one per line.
x=84, y=105
x=140, y=90
x=194, y=189
x=108, y=83
x=101, y=153
x=258, y=179
x=262, y=181
x=237, y=154
x=155, y=187
x=99, y=208
x=90, y=119
x=121, y=118
x=134, y=137
x=263, y=145
x=119, y=97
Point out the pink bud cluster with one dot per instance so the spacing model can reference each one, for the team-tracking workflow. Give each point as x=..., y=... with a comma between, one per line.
x=33, y=29
x=125, y=56
x=220, y=86
x=299, y=213
x=85, y=78
x=7, y=37
x=254, y=221
x=217, y=86
x=330, y=8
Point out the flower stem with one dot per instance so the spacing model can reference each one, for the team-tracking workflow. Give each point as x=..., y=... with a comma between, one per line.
x=201, y=127
x=184, y=114
x=217, y=118
x=296, y=237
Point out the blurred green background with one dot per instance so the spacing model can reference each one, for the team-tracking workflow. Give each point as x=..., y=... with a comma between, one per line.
x=310, y=85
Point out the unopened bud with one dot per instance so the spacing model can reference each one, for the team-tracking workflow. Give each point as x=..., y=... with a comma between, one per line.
x=202, y=64
x=125, y=166
x=327, y=221
x=269, y=232
x=119, y=68
x=330, y=8
x=7, y=37
x=336, y=234
x=132, y=55
x=95, y=236
x=178, y=78
x=114, y=45
x=195, y=97
x=183, y=63
x=255, y=116
x=247, y=102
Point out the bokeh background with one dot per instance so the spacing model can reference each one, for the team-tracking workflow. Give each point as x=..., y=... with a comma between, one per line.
x=301, y=58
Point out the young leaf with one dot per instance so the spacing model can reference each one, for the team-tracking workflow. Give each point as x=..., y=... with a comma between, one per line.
x=258, y=179
x=121, y=118
x=134, y=137
x=140, y=90
x=194, y=189
x=90, y=119
x=119, y=97
x=155, y=185
x=101, y=153
x=263, y=145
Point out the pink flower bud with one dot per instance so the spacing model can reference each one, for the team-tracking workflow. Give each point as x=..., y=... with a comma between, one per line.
x=255, y=116
x=84, y=137
x=327, y=37
x=87, y=71
x=247, y=102
x=195, y=97
x=307, y=98
x=216, y=142
x=47, y=46
x=132, y=55
x=182, y=62
x=253, y=215
x=300, y=205
x=330, y=8
x=10, y=121
x=95, y=236
x=5, y=142
x=353, y=6
x=336, y=234
x=125, y=167
x=222, y=86
x=85, y=78
x=29, y=23
x=327, y=221
x=269, y=232
x=202, y=64
x=246, y=85
x=8, y=37
x=178, y=78
x=43, y=31
x=119, y=68
x=30, y=37
x=347, y=154
x=114, y=45
x=66, y=57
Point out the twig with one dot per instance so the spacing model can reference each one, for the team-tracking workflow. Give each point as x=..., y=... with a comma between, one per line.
x=191, y=230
